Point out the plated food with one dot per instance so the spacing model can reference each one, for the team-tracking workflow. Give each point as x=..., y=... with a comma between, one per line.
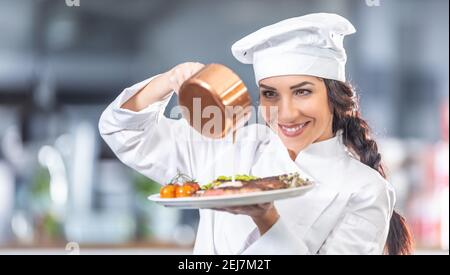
x=225, y=192
x=184, y=186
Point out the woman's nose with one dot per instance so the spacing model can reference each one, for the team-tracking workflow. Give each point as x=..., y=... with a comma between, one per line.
x=287, y=112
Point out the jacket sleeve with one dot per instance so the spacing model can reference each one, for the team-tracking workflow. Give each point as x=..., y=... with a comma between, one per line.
x=280, y=239
x=147, y=141
x=362, y=229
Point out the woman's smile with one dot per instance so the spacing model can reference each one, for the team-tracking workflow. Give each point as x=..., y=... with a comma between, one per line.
x=293, y=130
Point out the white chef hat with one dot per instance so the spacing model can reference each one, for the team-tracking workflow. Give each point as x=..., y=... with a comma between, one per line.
x=308, y=45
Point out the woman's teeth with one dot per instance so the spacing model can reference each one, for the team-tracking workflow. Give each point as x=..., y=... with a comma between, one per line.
x=294, y=129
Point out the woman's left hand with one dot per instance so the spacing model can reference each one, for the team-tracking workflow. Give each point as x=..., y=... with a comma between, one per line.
x=264, y=215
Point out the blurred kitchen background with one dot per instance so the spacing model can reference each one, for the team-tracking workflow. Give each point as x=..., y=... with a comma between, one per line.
x=60, y=66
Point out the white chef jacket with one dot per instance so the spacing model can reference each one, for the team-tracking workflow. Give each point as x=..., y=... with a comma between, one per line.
x=347, y=212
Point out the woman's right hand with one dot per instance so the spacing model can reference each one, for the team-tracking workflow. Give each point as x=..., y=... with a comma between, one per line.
x=180, y=73
x=162, y=85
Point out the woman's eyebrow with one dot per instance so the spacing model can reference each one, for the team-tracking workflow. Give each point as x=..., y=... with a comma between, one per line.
x=292, y=87
x=301, y=84
x=266, y=87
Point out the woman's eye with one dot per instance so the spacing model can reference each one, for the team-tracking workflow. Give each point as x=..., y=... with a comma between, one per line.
x=302, y=92
x=269, y=94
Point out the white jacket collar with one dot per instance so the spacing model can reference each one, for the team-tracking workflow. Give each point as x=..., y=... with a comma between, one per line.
x=330, y=148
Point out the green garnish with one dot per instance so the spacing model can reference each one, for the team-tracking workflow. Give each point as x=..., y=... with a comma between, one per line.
x=240, y=177
x=221, y=179
x=211, y=185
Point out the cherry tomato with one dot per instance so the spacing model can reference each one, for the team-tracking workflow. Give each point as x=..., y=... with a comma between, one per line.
x=194, y=185
x=168, y=191
x=184, y=190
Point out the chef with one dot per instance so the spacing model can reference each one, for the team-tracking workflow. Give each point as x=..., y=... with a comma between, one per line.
x=317, y=130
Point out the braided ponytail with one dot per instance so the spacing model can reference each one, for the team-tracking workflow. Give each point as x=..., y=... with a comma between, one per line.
x=356, y=136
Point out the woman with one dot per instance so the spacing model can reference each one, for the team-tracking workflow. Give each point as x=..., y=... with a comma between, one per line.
x=299, y=66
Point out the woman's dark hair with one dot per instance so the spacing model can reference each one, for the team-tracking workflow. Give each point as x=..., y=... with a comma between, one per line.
x=356, y=136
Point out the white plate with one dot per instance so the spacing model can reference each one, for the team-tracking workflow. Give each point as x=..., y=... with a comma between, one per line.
x=232, y=200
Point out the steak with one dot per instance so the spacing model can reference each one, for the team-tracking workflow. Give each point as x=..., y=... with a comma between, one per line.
x=221, y=188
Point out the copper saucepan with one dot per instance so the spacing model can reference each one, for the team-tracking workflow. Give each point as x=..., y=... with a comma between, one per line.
x=218, y=86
